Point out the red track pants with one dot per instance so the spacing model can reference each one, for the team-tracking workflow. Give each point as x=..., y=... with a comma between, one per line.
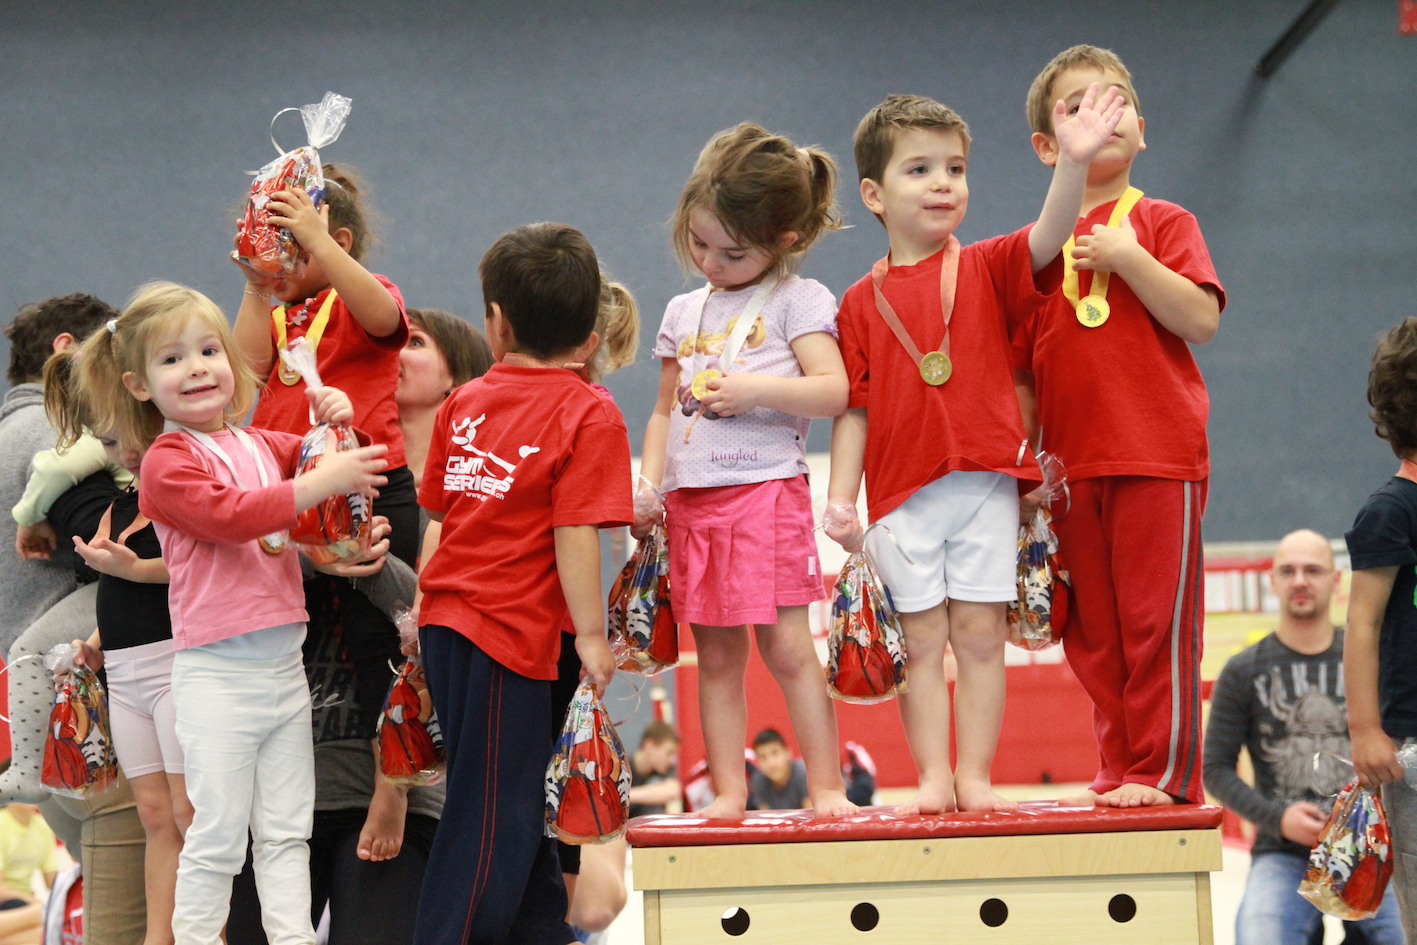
x=1132, y=545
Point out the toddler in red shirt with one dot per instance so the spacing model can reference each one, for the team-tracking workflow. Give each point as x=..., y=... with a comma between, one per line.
x=526, y=463
x=1121, y=402
x=939, y=435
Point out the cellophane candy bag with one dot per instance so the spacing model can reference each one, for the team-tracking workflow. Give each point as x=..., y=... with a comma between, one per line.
x=79, y=759
x=410, y=743
x=337, y=529
x=588, y=780
x=1350, y=866
x=643, y=634
x=1039, y=615
x=865, y=649
x=260, y=244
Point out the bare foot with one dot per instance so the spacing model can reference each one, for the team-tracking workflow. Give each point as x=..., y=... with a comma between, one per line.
x=1135, y=795
x=934, y=797
x=833, y=803
x=972, y=795
x=382, y=836
x=731, y=807
x=1087, y=798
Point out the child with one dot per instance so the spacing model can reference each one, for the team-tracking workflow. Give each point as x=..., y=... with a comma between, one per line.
x=220, y=502
x=950, y=498
x=1380, y=650
x=84, y=391
x=1136, y=455
x=356, y=323
x=780, y=783
x=525, y=465
x=746, y=361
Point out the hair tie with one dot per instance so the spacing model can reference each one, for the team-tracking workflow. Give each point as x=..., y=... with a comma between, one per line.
x=112, y=326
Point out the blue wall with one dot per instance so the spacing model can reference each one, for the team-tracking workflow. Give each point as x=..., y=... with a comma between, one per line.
x=127, y=127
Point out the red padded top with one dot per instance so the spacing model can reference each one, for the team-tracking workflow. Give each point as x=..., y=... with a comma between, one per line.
x=880, y=823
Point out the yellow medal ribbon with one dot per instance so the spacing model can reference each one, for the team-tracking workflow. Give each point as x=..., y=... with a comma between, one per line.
x=1092, y=310
x=312, y=337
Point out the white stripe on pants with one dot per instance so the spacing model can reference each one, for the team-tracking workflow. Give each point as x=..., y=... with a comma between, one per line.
x=244, y=727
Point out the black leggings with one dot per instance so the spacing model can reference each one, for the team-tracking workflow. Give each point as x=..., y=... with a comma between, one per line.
x=563, y=690
x=370, y=903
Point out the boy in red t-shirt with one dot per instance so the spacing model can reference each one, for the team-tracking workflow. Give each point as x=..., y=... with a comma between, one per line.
x=1121, y=402
x=526, y=464
x=939, y=435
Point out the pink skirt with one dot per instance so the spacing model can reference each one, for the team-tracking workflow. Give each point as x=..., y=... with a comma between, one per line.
x=737, y=553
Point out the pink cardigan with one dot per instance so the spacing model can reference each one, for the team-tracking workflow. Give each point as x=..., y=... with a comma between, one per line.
x=223, y=584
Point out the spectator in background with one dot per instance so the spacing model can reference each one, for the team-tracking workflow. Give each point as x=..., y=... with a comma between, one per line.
x=654, y=785
x=1283, y=699
x=858, y=770
x=27, y=846
x=29, y=588
x=780, y=783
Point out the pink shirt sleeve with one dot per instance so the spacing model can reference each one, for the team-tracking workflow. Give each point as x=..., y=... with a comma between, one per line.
x=179, y=492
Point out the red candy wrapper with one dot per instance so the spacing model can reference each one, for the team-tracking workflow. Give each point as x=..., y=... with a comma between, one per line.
x=866, y=660
x=79, y=760
x=1038, y=616
x=643, y=634
x=1350, y=866
x=588, y=780
x=260, y=244
x=338, y=528
x=410, y=742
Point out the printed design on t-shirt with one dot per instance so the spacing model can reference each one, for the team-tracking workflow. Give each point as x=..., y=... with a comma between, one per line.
x=334, y=715
x=711, y=344
x=1305, y=747
x=484, y=474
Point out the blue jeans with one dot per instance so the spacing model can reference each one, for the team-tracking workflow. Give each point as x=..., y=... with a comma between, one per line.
x=1273, y=913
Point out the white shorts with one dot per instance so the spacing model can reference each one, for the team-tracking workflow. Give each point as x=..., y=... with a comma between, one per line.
x=140, y=709
x=961, y=535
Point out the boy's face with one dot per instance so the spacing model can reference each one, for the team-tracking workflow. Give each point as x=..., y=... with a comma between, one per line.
x=1127, y=140
x=660, y=757
x=774, y=761
x=922, y=195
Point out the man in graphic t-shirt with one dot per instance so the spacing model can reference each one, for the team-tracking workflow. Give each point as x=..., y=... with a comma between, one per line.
x=1283, y=699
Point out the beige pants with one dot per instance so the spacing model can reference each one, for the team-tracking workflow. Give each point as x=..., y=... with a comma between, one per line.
x=113, y=844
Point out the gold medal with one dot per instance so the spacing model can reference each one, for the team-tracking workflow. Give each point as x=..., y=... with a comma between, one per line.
x=274, y=543
x=935, y=368
x=699, y=388
x=1092, y=311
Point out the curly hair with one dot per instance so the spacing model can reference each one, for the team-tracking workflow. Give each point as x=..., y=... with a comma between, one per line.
x=1392, y=388
x=34, y=329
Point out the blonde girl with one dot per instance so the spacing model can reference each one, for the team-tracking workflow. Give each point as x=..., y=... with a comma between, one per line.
x=747, y=360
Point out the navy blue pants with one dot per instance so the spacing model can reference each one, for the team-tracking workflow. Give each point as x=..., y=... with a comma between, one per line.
x=493, y=877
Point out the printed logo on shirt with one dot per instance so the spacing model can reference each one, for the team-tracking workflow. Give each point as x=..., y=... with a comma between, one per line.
x=730, y=458
x=484, y=474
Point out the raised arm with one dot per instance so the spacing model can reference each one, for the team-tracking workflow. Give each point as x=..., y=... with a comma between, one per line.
x=1080, y=136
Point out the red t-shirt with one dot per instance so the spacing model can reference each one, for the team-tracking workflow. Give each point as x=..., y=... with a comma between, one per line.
x=917, y=433
x=364, y=367
x=514, y=454
x=1125, y=398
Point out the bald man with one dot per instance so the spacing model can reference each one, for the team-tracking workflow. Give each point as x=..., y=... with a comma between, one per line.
x=1283, y=699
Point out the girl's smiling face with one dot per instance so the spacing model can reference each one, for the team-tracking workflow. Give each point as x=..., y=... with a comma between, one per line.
x=188, y=377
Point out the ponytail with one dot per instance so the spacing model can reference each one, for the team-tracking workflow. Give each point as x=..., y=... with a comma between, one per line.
x=617, y=322
x=61, y=404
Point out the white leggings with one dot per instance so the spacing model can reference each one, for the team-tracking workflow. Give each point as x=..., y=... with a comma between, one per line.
x=244, y=727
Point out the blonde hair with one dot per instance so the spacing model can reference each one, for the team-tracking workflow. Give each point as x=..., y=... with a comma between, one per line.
x=617, y=322
x=1040, y=95
x=760, y=186
x=96, y=395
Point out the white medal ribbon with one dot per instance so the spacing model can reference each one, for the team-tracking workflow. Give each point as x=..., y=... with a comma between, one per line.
x=734, y=343
x=275, y=540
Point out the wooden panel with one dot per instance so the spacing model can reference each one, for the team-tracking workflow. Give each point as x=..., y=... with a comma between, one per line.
x=652, y=936
x=897, y=861
x=1203, y=915
x=1057, y=911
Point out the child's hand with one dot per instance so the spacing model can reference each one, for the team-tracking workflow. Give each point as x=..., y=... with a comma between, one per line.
x=294, y=210
x=649, y=508
x=378, y=549
x=597, y=662
x=330, y=404
x=261, y=282
x=1085, y=132
x=88, y=655
x=1375, y=759
x=733, y=394
x=843, y=525
x=36, y=542
x=107, y=557
x=1030, y=502
x=1108, y=248
x=349, y=471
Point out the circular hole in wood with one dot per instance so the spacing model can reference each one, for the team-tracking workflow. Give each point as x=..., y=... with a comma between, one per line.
x=865, y=917
x=735, y=921
x=1122, y=908
x=993, y=913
